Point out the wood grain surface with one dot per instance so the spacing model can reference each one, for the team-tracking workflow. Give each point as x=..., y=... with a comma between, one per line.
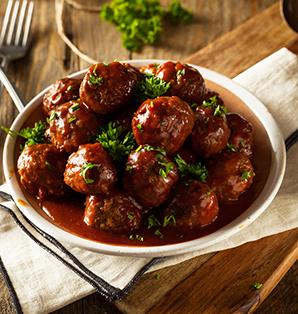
x=228, y=37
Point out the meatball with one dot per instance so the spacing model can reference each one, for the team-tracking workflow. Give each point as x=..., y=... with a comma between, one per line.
x=90, y=170
x=107, y=88
x=138, y=75
x=149, y=176
x=41, y=170
x=62, y=91
x=113, y=211
x=186, y=81
x=71, y=125
x=242, y=134
x=229, y=175
x=192, y=204
x=163, y=122
x=150, y=68
x=211, y=133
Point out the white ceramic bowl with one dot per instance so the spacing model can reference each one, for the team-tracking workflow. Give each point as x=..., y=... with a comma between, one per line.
x=271, y=187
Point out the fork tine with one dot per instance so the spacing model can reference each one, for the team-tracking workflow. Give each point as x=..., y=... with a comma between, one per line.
x=12, y=23
x=28, y=24
x=21, y=22
x=5, y=21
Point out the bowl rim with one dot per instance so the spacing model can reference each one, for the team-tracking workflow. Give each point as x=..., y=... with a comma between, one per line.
x=272, y=185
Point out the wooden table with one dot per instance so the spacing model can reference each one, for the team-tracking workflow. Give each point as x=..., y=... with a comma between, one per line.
x=228, y=37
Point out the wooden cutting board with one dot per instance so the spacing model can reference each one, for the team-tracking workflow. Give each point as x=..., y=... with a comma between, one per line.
x=222, y=282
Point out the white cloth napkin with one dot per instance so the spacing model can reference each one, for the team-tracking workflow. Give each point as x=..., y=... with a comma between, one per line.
x=44, y=284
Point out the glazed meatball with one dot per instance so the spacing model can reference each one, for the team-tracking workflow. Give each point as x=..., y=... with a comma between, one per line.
x=137, y=74
x=211, y=133
x=150, y=68
x=242, y=134
x=90, y=170
x=107, y=88
x=192, y=204
x=163, y=122
x=149, y=176
x=229, y=175
x=71, y=125
x=41, y=170
x=62, y=91
x=113, y=211
x=186, y=81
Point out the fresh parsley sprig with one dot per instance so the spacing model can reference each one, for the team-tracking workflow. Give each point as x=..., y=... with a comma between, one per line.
x=141, y=21
x=113, y=141
x=212, y=105
x=85, y=167
x=194, y=171
x=33, y=135
x=151, y=87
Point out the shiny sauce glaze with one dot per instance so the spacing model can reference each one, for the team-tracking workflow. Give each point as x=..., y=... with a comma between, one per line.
x=68, y=213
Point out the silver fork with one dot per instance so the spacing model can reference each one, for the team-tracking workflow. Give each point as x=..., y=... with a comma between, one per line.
x=15, y=32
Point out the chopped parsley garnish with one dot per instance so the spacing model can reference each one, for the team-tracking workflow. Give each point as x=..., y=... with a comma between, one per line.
x=231, y=147
x=167, y=220
x=70, y=87
x=113, y=141
x=128, y=168
x=194, y=106
x=85, y=167
x=94, y=79
x=195, y=171
x=257, y=286
x=139, y=126
x=158, y=276
x=130, y=217
x=242, y=143
x=73, y=118
x=151, y=87
x=106, y=64
x=34, y=135
x=152, y=221
x=140, y=238
x=52, y=117
x=245, y=175
x=212, y=105
x=75, y=106
x=158, y=233
x=167, y=164
x=150, y=148
x=209, y=192
x=181, y=72
x=48, y=165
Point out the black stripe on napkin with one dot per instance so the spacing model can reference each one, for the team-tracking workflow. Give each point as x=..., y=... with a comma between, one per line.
x=102, y=287
x=12, y=292
x=291, y=140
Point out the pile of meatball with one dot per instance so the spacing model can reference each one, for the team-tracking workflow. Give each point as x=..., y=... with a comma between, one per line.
x=121, y=200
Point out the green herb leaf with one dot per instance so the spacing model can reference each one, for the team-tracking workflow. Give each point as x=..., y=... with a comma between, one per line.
x=158, y=233
x=34, y=135
x=75, y=106
x=167, y=164
x=52, y=117
x=257, y=286
x=48, y=165
x=85, y=167
x=73, y=118
x=167, y=220
x=177, y=13
x=113, y=141
x=218, y=110
x=152, y=221
x=245, y=175
x=195, y=171
x=231, y=147
x=151, y=87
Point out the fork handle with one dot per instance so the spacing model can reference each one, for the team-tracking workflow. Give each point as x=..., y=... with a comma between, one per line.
x=13, y=91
